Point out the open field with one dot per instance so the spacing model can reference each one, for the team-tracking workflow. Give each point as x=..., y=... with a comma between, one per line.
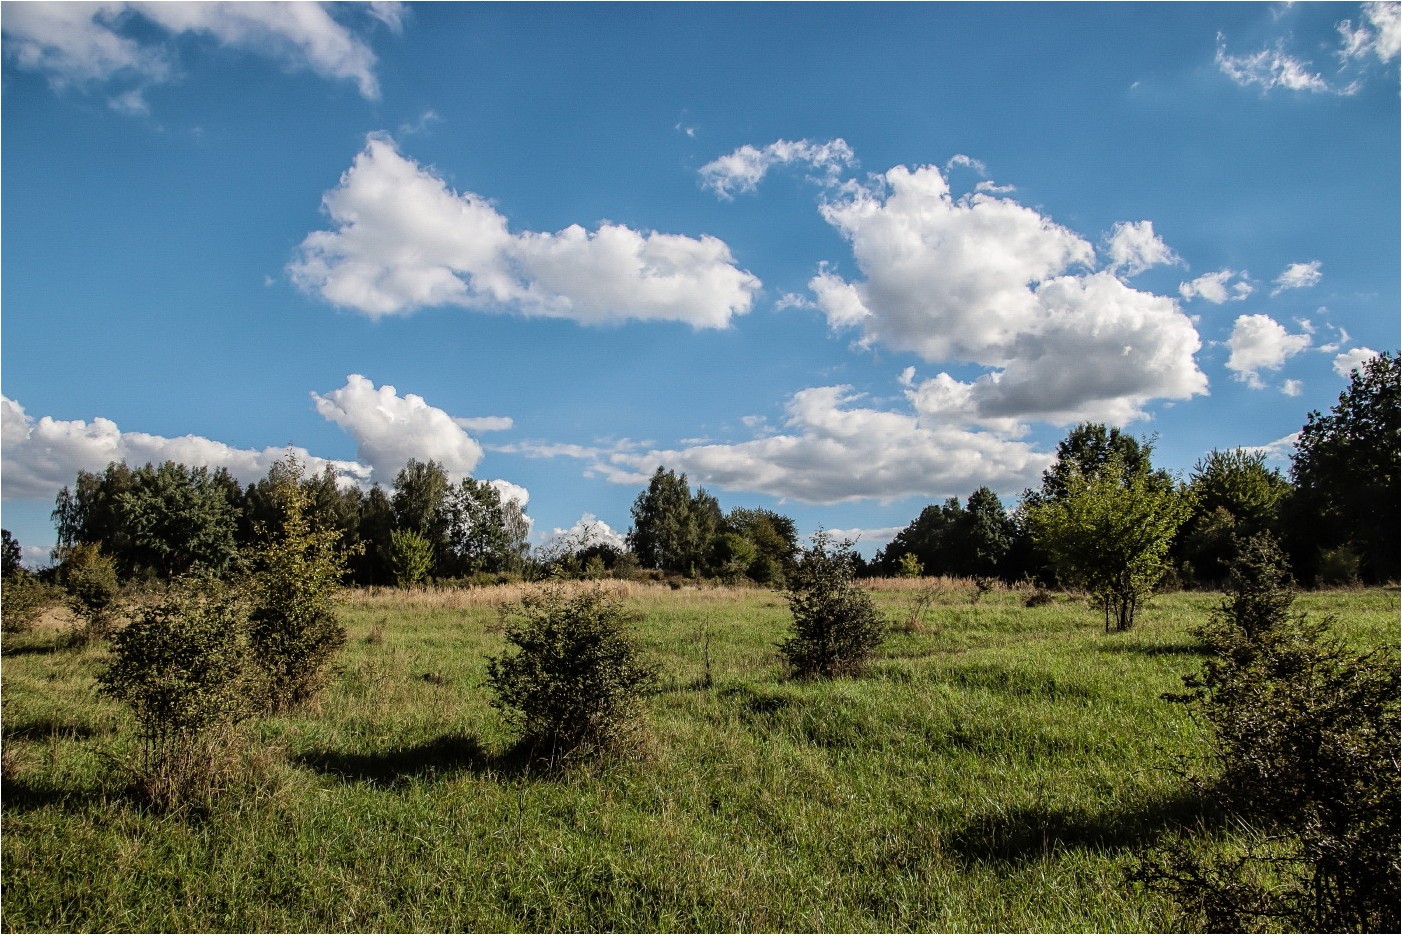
x=994, y=770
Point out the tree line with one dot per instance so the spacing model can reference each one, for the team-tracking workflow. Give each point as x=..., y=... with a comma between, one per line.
x=1103, y=518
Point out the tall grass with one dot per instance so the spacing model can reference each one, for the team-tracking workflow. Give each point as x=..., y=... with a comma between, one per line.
x=993, y=770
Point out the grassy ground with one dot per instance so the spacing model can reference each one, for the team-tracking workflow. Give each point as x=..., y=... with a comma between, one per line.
x=994, y=770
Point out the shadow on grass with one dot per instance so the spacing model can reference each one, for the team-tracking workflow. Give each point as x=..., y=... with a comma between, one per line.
x=62, y=643
x=1156, y=649
x=442, y=756
x=18, y=795
x=1027, y=834
x=47, y=729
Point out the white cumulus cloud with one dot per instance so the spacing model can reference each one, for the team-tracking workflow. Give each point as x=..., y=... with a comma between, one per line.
x=389, y=429
x=1133, y=247
x=42, y=455
x=402, y=240
x=587, y=531
x=1217, y=287
x=1298, y=276
x=832, y=450
x=1349, y=361
x=986, y=280
x=1259, y=342
x=92, y=44
x=742, y=169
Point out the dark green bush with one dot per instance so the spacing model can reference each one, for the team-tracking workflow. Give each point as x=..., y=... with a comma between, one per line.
x=181, y=665
x=574, y=687
x=835, y=624
x=1304, y=755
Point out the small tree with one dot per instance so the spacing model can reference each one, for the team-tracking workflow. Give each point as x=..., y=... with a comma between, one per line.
x=1110, y=531
x=23, y=602
x=182, y=667
x=835, y=624
x=1304, y=739
x=410, y=557
x=574, y=687
x=293, y=631
x=13, y=555
x=89, y=580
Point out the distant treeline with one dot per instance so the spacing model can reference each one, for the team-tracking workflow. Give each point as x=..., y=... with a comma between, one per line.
x=1336, y=514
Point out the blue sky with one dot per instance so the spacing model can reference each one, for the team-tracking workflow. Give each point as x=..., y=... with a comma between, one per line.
x=836, y=260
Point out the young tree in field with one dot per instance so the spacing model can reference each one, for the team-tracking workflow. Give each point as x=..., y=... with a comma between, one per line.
x=182, y=665
x=835, y=624
x=1110, y=532
x=88, y=577
x=409, y=557
x=293, y=630
x=1345, y=470
x=1234, y=496
x=575, y=684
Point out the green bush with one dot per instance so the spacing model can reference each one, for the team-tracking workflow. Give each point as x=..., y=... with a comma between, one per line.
x=181, y=665
x=293, y=630
x=410, y=557
x=1304, y=753
x=835, y=624
x=89, y=580
x=574, y=687
x=24, y=600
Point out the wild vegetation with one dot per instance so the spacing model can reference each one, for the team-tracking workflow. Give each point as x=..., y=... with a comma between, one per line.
x=205, y=735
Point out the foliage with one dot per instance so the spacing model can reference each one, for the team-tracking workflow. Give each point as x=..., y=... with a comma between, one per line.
x=574, y=687
x=1086, y=450
x=481, y=531
x=1233, y=496
x=835, y=624
x=293, y=631
x=909, y=566
x=1345, y=470
x=13, y=556
x=88, y=577
x=775, y=541
x=954, y=540
x=23, y=601
x=673, y=530
x=409, y=557
x=154, y=520
x=181, y=665
x=1304, y=749
x=1110, y=532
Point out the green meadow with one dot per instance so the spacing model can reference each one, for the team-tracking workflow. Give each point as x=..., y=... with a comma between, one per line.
x=996, y=768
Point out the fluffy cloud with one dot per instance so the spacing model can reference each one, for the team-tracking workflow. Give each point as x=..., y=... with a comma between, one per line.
x=88, y=44
x=1298, y=276
x=42, y=455
x=1259, y=342
x=986, y=280
x=833, y=451
x=1349, y=361
x=1133, y=247
x=1214, y=287
x=742, y=170
x=389, y=429
x=589, y=530
x=404, y=241
x=1377, y=39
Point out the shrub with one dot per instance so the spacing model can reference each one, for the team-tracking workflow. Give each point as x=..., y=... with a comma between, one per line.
x=574, y=687
x=835, y=624
x=410, y=557
x=182, y=667
x=93, y=593
x=293, y=631
x=24, y=600
x=1304, y=743
x=910, y=566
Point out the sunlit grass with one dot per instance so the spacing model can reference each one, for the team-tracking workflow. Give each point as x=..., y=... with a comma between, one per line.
x=995, y=769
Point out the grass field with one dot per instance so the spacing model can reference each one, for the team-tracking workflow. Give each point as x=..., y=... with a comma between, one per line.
x=994, y=770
